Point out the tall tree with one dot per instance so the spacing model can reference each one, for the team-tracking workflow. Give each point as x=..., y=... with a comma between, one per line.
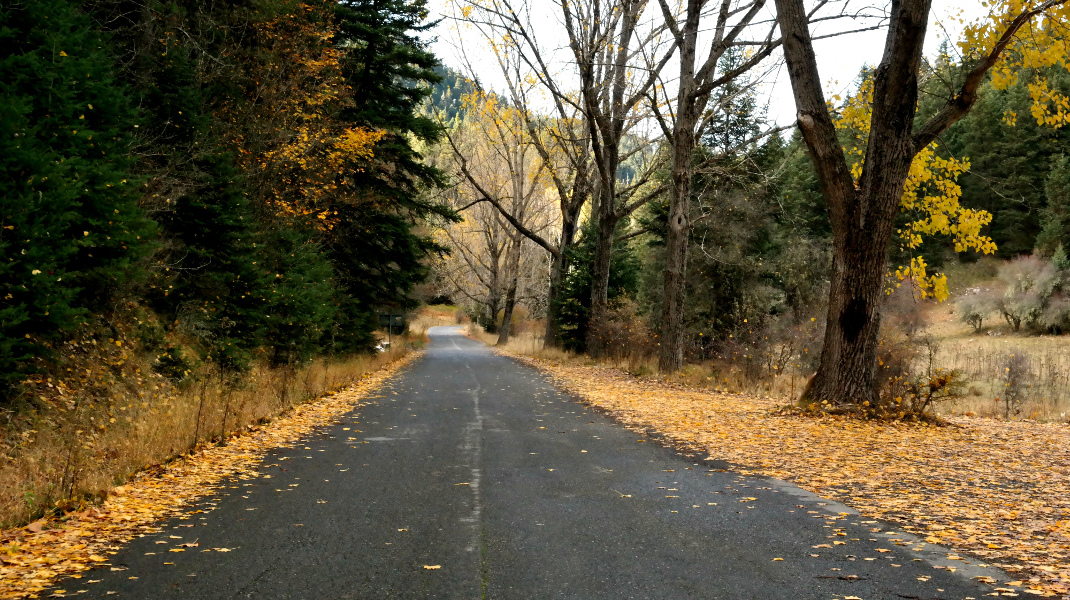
x=502, y=167
x=698, y=81
x=1055, y=218
x=378, y=244
x=619, y=54
x=71, y=234
x=560, y=133
x=862, y=212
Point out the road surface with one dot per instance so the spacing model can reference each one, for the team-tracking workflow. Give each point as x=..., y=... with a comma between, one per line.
x=473, y=464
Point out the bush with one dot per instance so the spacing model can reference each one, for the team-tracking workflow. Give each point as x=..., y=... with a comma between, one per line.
x=976, y=306
x=912, y=390
x=1056, y=315
x=1030, y=284
x=903, y=310
x=1015, y=377
x=624, y=333
x=173, y=363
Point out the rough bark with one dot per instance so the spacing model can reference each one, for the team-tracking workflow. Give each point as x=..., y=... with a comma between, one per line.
x=603, y=256
x=506, y=328
x=671, y=351
x=696, y=83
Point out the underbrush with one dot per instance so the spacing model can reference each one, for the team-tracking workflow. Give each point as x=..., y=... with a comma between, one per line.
x=113, y=411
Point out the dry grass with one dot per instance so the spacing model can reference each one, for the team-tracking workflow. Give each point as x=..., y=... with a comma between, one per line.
x=983, y=357
x=85, y=435
x=1043, y=393
x=433, y=316
x=34, y=557
x=720, y=377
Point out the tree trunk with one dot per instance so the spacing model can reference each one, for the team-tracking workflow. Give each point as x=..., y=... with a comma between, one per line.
x=671, y=350
x=494, y=300
x=671, y=341
x=506, y=328
x=862, y=214
x=847, y=373
x=603, y=255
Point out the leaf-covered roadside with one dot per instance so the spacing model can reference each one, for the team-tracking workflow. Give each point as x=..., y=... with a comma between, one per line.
x=997, y=490
x=33, y=558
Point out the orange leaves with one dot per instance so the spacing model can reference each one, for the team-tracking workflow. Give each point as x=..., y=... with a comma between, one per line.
x=996, y=490
x=84, y=540
x=289, y=142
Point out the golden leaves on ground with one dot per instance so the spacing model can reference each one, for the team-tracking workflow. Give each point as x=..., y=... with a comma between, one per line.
x=31, y=561
x=998, y=490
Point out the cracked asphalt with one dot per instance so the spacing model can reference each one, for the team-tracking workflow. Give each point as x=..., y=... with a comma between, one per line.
x=471, y=476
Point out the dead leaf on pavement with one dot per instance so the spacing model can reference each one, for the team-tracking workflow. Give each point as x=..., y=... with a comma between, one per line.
x=996, y=489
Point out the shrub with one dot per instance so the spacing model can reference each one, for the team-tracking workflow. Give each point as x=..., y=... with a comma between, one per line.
x=173, y=363
x=1056, y=315
x=976, y=306
x=1030, y=283
x=913, y=383
x=903, y=310
x=1015, y=377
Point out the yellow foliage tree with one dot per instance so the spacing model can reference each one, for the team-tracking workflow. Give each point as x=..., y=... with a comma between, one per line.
x=295, y=150
x=1039, y=42
x=931, y=195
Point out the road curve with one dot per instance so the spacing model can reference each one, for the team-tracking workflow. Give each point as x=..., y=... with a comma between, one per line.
x=474, y=465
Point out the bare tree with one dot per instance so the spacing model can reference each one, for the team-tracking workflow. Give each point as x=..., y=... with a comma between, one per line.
x=557, y=131
x=617, y=50
x=498, y=165
x=697, y=82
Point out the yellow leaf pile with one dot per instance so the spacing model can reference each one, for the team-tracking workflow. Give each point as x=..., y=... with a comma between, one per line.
x=31, y=559
x=997, y=490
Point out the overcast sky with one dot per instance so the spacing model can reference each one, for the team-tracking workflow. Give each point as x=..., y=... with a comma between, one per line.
x=839, y=59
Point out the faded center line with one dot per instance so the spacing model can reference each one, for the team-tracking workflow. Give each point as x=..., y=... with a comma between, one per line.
x=473, y=454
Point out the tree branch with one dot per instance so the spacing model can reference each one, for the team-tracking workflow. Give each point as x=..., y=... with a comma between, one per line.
x=959, y=105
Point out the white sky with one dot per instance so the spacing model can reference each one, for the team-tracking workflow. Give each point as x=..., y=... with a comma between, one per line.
x=839, y=59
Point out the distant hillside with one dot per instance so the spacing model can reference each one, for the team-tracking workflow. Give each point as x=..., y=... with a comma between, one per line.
x=446, y=96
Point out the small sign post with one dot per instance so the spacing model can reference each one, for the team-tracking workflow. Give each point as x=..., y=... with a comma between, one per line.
x=390, y=322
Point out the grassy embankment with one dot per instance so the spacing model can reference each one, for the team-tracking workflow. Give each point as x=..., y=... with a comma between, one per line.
x=113, y=416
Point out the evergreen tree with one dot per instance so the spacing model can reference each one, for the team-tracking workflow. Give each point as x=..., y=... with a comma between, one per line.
x=301, y=306
x=1009, y=164
x=215, y=281
x=1055, y=217
x=72, y=234
x=575, y=299
x=379, y=249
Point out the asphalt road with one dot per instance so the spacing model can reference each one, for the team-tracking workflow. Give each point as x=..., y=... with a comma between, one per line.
x=475, y=465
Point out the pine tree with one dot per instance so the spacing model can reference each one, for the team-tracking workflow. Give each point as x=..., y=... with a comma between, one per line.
x=379, y=248
x=72, y=234
x=1055, y=217
x=215, y=280
x=301, y=307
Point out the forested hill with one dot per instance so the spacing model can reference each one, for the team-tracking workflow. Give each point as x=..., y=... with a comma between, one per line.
x=226, y=182
x=447, y=97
